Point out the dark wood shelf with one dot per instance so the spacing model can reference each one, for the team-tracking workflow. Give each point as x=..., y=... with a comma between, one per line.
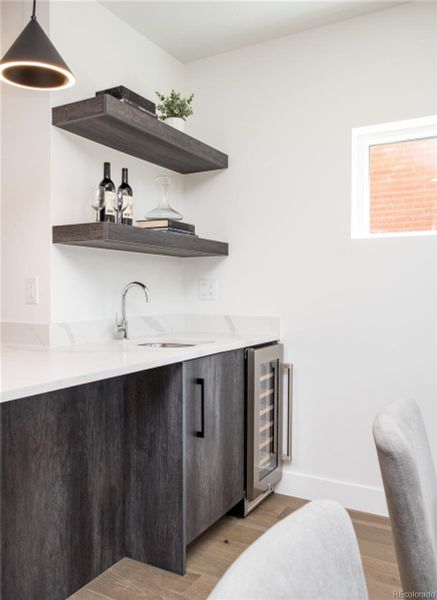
x=108, y=121
x=113, y=236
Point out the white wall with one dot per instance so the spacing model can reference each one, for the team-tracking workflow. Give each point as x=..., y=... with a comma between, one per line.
x=25, y=190
x=358, y=317
x=103, y=52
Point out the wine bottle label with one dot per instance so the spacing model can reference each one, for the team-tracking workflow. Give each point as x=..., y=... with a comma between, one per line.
x=110, y=198
x=128, y=213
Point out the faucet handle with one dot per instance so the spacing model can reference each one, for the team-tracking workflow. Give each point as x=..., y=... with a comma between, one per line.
x=120, y=329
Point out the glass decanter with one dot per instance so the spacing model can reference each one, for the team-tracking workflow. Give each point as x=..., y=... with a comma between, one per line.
x=164, y=210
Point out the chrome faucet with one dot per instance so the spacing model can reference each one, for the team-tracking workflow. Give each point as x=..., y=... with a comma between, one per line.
x=121, y=327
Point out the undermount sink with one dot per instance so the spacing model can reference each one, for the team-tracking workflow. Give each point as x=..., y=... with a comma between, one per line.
x=165, y=345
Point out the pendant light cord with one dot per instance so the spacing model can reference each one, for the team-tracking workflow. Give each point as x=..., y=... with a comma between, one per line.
x=33, y=17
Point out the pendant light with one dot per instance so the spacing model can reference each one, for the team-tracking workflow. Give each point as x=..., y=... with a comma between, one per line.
x=33, y=62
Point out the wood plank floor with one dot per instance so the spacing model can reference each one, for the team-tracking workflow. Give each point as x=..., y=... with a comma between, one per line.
x=211, y=554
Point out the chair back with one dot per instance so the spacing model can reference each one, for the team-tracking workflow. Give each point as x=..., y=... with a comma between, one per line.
x=410, y=484
x=310, y=555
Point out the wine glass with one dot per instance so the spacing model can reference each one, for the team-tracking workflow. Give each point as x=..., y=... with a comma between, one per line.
x=99, y=201
x=120, y=201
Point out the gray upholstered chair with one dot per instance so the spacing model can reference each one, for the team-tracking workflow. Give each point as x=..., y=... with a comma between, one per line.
x=410, y=485
x=311, y=554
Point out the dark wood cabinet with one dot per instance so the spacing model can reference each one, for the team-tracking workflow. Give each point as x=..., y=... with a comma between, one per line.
x=154, y=489
x=61, y=490
x=214, y=432
x=116, y=468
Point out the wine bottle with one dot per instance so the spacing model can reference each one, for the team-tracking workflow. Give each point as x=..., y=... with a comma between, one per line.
x=128, y=217
x=108, y=185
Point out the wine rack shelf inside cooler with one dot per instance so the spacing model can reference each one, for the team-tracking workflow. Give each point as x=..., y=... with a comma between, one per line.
x=267, y=458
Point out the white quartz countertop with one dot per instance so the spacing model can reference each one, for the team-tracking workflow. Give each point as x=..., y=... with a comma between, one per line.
x=30, y=370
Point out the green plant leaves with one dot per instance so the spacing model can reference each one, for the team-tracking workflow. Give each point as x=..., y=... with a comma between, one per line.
x=174, y=105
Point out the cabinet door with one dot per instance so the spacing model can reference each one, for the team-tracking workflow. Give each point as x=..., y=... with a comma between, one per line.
x=153, y=478
x=214, y=431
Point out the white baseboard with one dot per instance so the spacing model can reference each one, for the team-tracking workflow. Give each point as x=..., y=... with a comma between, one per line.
x=351, y=495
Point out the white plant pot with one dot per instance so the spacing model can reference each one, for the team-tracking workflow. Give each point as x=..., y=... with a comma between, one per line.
x=176, y=122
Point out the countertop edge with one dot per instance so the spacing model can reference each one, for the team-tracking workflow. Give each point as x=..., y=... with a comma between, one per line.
x=143, y=365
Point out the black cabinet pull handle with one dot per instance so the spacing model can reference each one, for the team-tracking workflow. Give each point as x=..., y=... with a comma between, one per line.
x=201, y=382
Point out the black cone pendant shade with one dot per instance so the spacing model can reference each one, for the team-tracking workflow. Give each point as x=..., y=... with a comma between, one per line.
x=33, y=62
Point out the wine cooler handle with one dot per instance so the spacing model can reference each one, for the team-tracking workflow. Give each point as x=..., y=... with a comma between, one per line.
x=288, y=368
x=201, y=382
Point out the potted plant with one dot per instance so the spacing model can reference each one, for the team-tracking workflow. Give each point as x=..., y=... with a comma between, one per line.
x=174, y=109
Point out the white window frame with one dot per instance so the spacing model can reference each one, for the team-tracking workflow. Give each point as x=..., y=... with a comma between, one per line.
x=362, y=139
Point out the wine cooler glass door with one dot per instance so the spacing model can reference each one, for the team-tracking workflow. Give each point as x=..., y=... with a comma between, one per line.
x=264, y=372
x=267, y=447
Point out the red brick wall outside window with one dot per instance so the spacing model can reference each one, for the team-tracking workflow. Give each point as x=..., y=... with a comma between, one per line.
x=403, y=186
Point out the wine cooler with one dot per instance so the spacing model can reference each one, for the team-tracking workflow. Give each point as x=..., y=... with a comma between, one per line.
x=268, y=421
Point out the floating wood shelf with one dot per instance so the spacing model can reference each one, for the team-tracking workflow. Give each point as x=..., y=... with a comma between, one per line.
x=111, y=122
x=113, y=236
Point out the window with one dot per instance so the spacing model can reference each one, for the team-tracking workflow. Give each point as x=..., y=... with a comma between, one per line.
x=394, y=179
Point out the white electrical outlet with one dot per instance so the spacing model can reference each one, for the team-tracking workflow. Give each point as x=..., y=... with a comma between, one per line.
x=31, y=291
x=208, y=289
